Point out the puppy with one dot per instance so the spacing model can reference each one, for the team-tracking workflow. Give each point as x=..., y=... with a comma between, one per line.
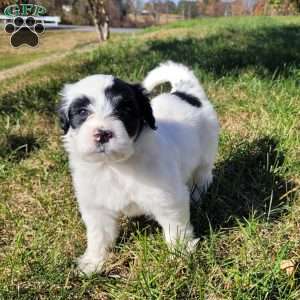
x=132, y=157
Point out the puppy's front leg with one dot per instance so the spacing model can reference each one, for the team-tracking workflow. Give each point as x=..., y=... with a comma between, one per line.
x=102, y=230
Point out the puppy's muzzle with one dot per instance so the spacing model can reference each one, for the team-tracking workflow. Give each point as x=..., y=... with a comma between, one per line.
x=102, y=136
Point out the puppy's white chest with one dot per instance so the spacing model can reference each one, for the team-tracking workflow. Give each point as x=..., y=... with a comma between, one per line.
x=102, y=188
x=110, y=190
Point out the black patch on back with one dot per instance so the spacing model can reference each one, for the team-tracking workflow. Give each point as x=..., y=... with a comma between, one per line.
x=78, y=112
x=192, y=100
x=131, y=106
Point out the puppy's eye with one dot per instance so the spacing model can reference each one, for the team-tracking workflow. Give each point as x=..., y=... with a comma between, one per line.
x=83, y=112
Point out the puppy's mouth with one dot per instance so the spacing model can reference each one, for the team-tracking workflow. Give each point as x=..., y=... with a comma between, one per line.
x=100, y=148
x=102, y=153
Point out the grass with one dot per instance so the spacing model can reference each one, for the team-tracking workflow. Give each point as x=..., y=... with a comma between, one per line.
x=51, y=42
x=248, y=222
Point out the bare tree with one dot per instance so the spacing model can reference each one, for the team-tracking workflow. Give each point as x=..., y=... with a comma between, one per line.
x=99, y=11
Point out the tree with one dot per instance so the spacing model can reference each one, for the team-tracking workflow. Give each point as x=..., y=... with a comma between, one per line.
x=286, y=3
x=188, y=8
x=123, y=6
x=118, y=11
x=171, y=7
x=99, y=11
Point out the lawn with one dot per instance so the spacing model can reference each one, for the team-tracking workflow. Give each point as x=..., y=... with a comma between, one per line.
x=249, y=220
x=51, y=42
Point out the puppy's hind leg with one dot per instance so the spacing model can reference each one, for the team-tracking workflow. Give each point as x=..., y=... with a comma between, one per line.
x=173, y=214
x=202, y=179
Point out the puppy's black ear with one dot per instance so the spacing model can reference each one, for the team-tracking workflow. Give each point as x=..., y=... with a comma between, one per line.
x=144, y=105
x=63, y=113
x=64, y=120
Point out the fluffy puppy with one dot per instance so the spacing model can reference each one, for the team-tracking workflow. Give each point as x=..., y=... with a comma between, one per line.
x=127, y=156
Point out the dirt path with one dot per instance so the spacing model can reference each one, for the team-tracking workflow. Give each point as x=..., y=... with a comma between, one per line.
x=12, y=72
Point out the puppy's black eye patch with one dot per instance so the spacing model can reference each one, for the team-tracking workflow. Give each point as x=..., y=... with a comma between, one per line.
x=83, y=112
x=125, y=106
x=78, y=111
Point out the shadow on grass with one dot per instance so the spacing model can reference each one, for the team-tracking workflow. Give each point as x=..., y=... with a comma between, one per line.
x=15, y=147
x=270, y=50
x=247, y=181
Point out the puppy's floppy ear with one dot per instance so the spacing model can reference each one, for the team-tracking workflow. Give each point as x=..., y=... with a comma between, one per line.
x=64, y=120
x=144, y=105
x=62, y=110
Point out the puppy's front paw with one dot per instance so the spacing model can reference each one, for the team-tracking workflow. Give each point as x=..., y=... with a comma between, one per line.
x=89, y=265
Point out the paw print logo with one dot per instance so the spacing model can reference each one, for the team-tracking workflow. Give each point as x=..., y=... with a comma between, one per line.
x=24, y=31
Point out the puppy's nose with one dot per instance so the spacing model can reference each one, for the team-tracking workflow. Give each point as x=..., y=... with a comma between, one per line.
x=102, y=136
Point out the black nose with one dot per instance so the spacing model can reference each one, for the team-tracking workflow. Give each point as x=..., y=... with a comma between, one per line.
x=103, y=136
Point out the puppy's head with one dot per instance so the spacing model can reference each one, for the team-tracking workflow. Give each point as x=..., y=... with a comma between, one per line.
x=102, y=117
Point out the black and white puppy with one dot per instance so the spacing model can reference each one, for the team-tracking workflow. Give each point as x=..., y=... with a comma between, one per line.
x=130, y=157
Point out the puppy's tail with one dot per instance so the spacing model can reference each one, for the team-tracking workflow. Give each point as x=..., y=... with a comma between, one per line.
x=181, y=78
